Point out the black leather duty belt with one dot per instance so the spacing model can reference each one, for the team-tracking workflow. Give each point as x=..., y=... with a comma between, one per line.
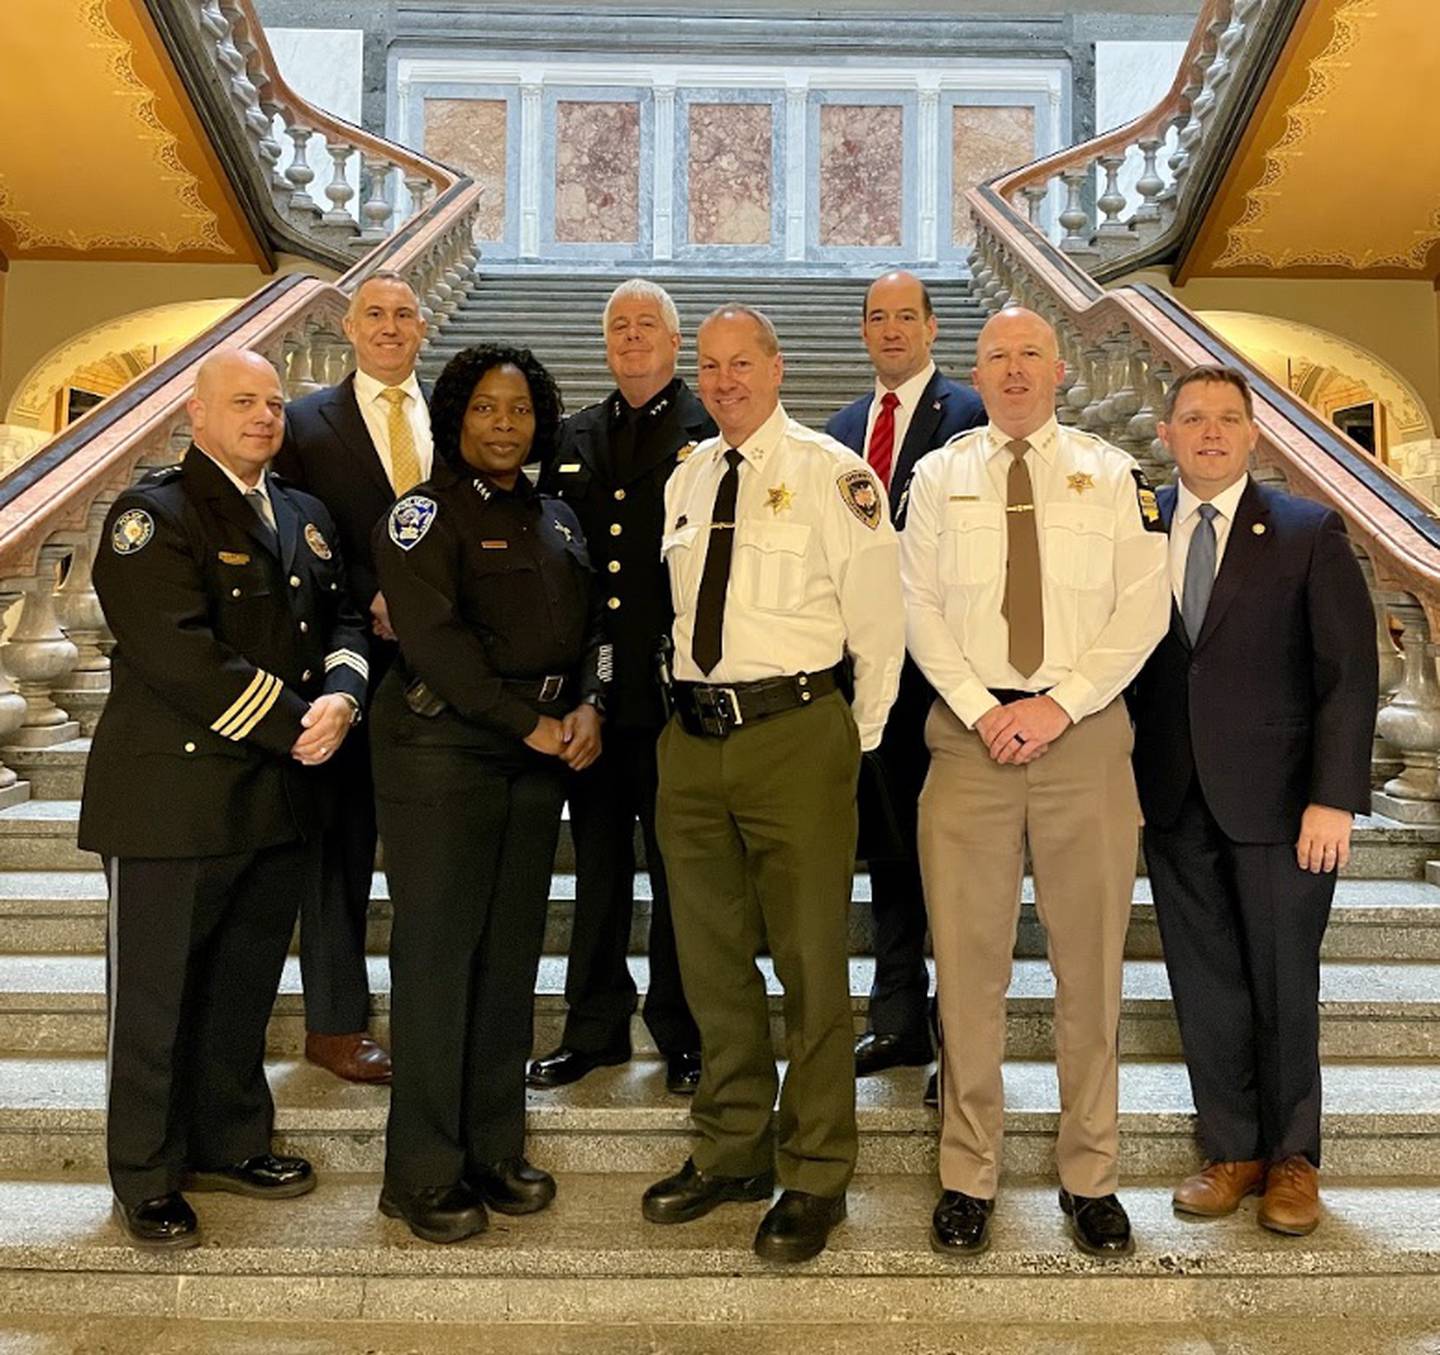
x=544, y=689
x=716, y=711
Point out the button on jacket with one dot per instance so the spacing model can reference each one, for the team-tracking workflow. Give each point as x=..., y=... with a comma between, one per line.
x=486, y=584
x=611, y=466
x=1105, y=581
x=221, y=646
x=814, y=573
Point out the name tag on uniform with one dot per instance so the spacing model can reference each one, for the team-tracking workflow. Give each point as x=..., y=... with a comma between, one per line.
x=569, y=468
x=234, y=557
x=964, y=498
x=494, y=545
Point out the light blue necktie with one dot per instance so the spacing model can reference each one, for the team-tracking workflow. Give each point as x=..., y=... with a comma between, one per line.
x=1199, y=572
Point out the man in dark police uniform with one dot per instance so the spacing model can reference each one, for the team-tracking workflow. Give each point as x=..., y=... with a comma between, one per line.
x=611, y=467
x=238, y=670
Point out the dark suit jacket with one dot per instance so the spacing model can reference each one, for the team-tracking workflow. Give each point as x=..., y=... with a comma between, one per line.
x=1273, y=708
x=945, y=408
x=888, y=803
x=328, y=452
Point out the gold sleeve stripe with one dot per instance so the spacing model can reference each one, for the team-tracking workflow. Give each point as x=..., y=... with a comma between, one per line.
x=261, y=711
x=260, y=686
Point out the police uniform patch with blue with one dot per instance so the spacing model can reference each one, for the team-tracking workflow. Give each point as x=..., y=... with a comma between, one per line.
x=132, y=531
x=410, y=519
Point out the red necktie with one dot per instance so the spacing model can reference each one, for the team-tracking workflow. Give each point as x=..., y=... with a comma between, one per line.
x=882, y=439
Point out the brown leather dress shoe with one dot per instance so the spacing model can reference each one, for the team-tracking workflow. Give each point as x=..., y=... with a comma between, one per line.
x=1218, y=1189
x=356, y=1058
x=1291, y=1204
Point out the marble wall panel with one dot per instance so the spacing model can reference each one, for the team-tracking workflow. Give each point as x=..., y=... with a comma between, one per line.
x=984, y=141
x=862, y=158
x=730, y=174
x=1130, y=79
x=597, y=172
x=470, y=134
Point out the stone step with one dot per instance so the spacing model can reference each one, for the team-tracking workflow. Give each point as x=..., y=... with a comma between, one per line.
x=1380, y=1119
x=331, y=1257
x=64, y=912
x=1377, y=1010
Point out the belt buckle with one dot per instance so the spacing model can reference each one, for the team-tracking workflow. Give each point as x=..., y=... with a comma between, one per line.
x=551, y=687
x=718, y=710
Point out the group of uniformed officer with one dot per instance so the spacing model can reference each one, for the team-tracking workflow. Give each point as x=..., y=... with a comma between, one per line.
x=736, y=608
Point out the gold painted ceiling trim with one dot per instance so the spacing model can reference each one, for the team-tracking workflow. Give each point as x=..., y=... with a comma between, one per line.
x=1241, y=249
x=138, y=102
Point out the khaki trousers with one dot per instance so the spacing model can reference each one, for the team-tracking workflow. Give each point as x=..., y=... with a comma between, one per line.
x=1078, y=809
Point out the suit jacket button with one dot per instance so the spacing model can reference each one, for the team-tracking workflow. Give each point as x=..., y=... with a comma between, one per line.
x=234, y=592
x=294, y=581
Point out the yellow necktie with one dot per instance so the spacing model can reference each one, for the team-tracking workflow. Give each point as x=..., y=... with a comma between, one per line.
x=1023, y=607
x=404, y=462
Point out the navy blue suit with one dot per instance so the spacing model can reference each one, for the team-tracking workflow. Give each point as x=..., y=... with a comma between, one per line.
x=898, y=994
x=1270, y=710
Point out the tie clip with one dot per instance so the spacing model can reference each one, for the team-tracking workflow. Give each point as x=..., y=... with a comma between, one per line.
x=1020, y=508
x=722, y=526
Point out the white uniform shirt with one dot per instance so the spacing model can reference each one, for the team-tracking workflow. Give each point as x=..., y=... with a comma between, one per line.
x=815, y=570
x=1187, y=517
x=262, y=484
x=376, y=413
x=908, y=393
x=1104, y=574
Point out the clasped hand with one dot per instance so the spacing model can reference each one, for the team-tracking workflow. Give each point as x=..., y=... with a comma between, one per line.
x=1023, y=730
x=575, y=740
x=324, y=727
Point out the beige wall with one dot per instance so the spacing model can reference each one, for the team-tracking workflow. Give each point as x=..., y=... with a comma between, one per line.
x=1397, y=321
x=46, y=303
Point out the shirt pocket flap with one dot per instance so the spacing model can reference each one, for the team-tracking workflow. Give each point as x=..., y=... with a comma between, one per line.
x=791, y=537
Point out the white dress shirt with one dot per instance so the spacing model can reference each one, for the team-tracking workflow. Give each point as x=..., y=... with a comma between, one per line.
x=1103, y=570
x=815, y=571
x=908, y=393
x=261, y=484
x=376, y=413
x=1187, y=517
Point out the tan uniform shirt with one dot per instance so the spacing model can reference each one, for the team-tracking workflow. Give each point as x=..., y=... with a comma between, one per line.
x=815, y=571
x=1105, y=581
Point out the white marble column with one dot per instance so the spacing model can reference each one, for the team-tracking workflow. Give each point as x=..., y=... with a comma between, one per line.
x=928, y=143
x=796, y=190
x=530, y=170
x=663, y=184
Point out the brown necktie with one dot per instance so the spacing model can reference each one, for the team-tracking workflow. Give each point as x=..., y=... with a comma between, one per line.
x=404, y=460
x=1023, y=607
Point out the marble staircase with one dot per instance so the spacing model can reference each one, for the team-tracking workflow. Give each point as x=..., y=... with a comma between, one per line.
x=818, y=320
x=328, y=1273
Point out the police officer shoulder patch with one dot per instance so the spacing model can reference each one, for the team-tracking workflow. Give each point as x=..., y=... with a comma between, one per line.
x=132, y=531
x=861, y=495
x=1145, y=497
x=316, y=542
x=410, y=519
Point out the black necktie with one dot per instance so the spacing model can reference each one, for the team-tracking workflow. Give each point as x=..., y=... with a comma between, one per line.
x=710, y=605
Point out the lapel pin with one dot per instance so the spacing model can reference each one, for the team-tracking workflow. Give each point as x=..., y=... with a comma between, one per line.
x=936, y=405
x=1258, y=528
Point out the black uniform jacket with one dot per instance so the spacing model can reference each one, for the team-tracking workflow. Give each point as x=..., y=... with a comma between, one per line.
x=486, y=585
x=221, y=645
x=328, y=452
x=1273, y=707
x=611, y=466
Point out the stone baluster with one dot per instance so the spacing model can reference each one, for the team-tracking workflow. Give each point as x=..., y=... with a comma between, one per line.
x=419, y=187
x=1385, y=759
x=299, y=175
x=1149, y=186
x=1035, y=195
x=1140, y=433
x=1203, y=103
x=12, y=709
x=1180, y=156
x=1411, y=723
x=300, y=371
x=1099, y=371
x=1074, y=218
x=376, y=209
x=1112, y=232
x=1077, y=398
x=80, y=613
x=338, y=190
x=1217, y=69
x=38, y=656
x=1124, y=399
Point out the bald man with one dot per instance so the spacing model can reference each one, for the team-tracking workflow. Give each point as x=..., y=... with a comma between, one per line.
x=1034, y=566
x=238, y=670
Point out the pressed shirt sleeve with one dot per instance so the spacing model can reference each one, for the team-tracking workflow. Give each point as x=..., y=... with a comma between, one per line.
x=932, y=643
x=1138, y=619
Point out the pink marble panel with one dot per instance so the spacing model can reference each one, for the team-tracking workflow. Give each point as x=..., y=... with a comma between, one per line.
x=470, y=135
x=597, y=172
x=862, y=161
x=730, y=174
x=985, y=142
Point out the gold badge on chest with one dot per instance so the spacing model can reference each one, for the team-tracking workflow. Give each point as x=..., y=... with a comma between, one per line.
x=779, y=498
x=316, y=542
x=1080, y=481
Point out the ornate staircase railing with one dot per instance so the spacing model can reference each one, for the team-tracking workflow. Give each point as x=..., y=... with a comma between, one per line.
x=54, y=662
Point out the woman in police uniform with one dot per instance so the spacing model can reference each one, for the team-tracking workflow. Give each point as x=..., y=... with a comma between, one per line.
x=494, y=701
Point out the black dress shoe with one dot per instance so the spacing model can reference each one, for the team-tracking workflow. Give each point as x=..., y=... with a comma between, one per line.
x=560, y=1067
x=436, y=1213
x=512, y=1186
x=932, y=1092
x=264, y=1176
x=961, y=1224
x=691, y=1194
x=875, y=1053
x=682, y=1073
x=1098, y=1223
x=165, y=1223
x=798, y=1226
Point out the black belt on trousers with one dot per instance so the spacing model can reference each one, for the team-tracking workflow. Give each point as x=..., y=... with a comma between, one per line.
x=1008, y=695
x=715, y=710
x=544, y=689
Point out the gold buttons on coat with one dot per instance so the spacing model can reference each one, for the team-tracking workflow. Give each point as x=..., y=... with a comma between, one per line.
x=189, y=747
x=305, y=676
x=616, y=529
x=234, y=592
x=294, y=581
x=619, y=496
x=304, y=628
x=613, y=604
x=613, y=566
